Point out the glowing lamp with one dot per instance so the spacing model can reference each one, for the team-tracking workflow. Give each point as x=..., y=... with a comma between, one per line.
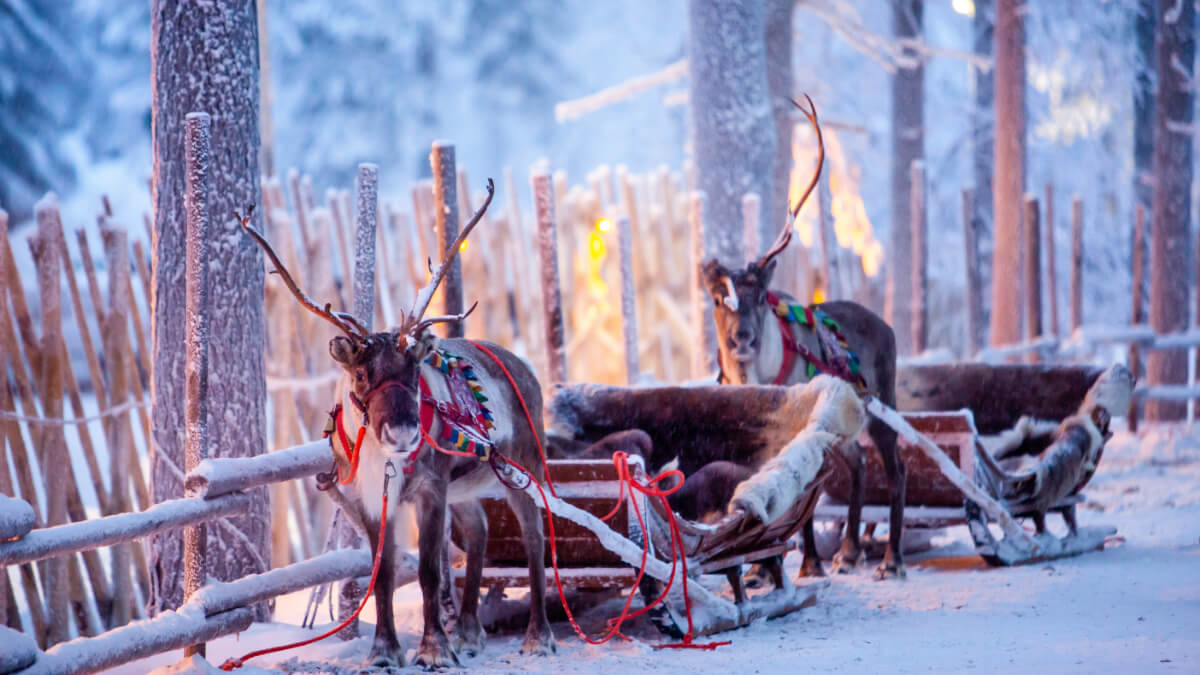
x=603, y=225
x=463, y=246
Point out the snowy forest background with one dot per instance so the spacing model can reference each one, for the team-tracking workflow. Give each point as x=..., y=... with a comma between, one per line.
x=365, y=81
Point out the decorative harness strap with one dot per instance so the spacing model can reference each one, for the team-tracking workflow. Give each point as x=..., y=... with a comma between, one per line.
x=465, y=419
x=844, y=366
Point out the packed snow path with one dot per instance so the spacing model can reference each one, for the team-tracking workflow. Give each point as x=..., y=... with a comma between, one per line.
x=1134, y=605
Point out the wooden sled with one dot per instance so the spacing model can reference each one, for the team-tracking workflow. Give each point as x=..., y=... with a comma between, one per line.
x=595, y=555
x=935, y=495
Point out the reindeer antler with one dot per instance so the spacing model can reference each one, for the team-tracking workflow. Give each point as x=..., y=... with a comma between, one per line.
x=346, y=322
x=785, y=235
x=413, y=323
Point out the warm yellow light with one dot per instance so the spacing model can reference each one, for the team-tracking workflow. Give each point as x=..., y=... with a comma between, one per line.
x=604, y=225
x=596, y=246
x=463, y=246
x=964, y=7
x=818, y=296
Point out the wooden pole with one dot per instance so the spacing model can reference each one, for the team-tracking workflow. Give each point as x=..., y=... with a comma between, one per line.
x=53, y=453
x=1033, y=274
x=556, y=359
x=1051, y=263
x=197, y=132
x=366, y=218
x=974, y=286
x=829, y=263
x=1138, y=315
x=1076, y=262
x=339, y=228
x=118, y=432
x=445, y=197
x=920, y=253
x=751, y=205
x=628, y=307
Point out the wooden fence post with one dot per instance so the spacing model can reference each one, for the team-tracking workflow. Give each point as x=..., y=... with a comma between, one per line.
x=1033, y=275
x=1076, y=262
x=1139, y=272
x=920, y=253
x=556, y=358
x=751, y=205
x=628, y=308
x=197, y=127
x=366, y=219
x=1051, y=263
x=824, y=225
x=971, y=260
x=445, y=198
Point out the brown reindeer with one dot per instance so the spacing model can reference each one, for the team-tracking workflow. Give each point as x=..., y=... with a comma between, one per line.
x=757, y=346
x=386, y=374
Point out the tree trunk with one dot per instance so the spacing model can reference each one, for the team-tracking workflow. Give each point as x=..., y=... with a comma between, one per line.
x=1171, y=250
x=908, y=144
x=1009, y=184
x=780, y=86
x=204, y=57
x=982, y=119
x=1143, y=127
x=733, y=131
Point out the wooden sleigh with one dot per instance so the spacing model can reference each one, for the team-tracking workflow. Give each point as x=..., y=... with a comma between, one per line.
x=596, y=555
x=935, y=497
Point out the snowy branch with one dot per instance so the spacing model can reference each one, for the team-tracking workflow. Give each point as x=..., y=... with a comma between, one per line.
x=219, y=476
x=576, y=108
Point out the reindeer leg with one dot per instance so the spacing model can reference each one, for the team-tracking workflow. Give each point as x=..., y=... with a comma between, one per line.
x=471, y=522
x=851, y=554
x=811, y=567
x=434, y=651
x=385, y=648
x=539, y=639
x=885, y=439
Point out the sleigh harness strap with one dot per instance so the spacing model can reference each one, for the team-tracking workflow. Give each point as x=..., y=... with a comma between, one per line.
x=839, y=360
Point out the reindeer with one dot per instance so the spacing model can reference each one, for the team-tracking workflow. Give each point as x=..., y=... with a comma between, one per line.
x=758, y=347
x=386, y=374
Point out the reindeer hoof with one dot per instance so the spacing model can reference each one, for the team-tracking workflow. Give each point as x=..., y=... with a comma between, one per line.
x=811, y=567
x=385, y=656
x=539, y=645
x=469, y=637
x=846, y=561
x=757, y=577
x=435, y=652
x=890, y=569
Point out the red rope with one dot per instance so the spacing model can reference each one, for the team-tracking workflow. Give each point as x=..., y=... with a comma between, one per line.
x=235, y=663
x=528, y=418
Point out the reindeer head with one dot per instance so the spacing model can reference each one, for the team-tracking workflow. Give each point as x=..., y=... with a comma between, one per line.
x=382, y=368
x=740, y=297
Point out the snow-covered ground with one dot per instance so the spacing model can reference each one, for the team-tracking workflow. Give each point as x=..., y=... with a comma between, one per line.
x=1135, y=605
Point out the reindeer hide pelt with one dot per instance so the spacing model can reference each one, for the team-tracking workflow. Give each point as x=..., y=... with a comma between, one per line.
x=697, y=425
x=786, y=477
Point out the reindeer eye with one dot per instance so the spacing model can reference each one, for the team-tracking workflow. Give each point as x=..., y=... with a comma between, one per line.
x=359, y=376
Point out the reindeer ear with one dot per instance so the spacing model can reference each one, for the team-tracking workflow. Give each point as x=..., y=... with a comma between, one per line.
x=418, y=347
x=765, y=272
x=714, y=275
x=343, y=350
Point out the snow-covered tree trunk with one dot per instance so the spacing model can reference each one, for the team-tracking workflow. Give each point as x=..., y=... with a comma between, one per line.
x=752, y=233
x=204, y=56
x=197, y=152
x=704, y=349
x=908, y=144
x=780, y=87
x=1137, y=304
x=733, y=130
x=445, y=198
x=1051, y=264
x=1008, y=185
x=1143, y=121
x=1171, y=268
x=1076, y=262
x=982, y=120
